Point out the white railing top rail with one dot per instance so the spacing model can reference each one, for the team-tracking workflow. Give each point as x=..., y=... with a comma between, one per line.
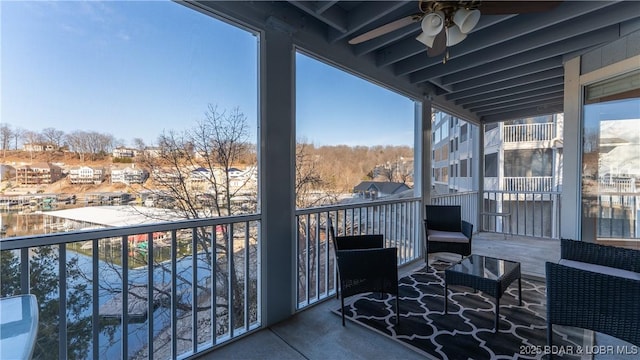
x=546, y=124
x=355, y=205
x=464, y=193
x=514, y=192
x=20, y=242
x=529, y=178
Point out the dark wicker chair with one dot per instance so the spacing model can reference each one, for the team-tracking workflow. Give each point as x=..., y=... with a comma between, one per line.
x=446, y=231
x=582, y=293
x=365, y=266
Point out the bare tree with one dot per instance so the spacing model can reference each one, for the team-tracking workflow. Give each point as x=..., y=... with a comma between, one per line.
x=17, y=135
x=32, y=138
x=195, y=173
x=90, y=143
x=138, y=143
x=78, y=143
x=388, y=171
x=311, y=189
x=5, y=137
x=53, y=136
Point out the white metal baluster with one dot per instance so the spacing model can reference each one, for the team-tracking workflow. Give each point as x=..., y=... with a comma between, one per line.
x=174, y=294
x=247, y=278
x=62, y=314
x=214, y=283
x=95, y=315
x=194, y=290
x=150, y=294
x=125, y=297
x=317, y=247
x=307, y=245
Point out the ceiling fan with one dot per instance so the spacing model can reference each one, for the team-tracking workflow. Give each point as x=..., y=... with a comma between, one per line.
x=447, y=23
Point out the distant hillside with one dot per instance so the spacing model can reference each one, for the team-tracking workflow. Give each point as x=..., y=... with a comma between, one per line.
x=340, y=167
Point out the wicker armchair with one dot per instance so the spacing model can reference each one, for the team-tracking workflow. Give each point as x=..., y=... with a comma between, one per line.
x=446, y=231
x=595, y=287
x=365, y=266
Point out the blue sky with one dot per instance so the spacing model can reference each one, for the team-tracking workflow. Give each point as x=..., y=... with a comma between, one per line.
x=134, y=69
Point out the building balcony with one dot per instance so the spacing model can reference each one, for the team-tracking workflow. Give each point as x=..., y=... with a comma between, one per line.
x=522, y=133
x=201, y=279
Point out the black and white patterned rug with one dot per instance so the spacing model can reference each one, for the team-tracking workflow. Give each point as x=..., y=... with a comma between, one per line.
x=467, y=331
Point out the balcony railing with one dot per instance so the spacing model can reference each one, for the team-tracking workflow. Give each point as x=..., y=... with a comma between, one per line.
x=529, y=132
x=617, y=185
x=530, y=213
x=613, y=215
x=526, y=213
x=169, y=289
x=398, y=220
x=533, y=183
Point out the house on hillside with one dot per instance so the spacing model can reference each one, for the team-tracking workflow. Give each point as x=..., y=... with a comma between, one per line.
x=200, y=178
x=243, y=181
x=152, y=152
x=86, y=175
x=378, y=189
x=166, y=176
x=39, y=173
x=39, y=147
x=122, y=152
x=128, y=174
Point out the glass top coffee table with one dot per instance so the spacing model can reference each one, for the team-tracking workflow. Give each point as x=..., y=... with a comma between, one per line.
x=489, y=275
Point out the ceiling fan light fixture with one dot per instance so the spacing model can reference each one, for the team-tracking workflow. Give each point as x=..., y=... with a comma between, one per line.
x=432, y=23
x=426, y=39
x=466, y=19
x=454, y=35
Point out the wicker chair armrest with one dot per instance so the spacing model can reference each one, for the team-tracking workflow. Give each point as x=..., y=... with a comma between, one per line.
x=467, y=229
x=611, y=256
x=595, y=301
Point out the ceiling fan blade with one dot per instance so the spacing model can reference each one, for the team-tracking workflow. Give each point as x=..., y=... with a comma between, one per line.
x=516, y=7
x=394, y=25
x=439, y=44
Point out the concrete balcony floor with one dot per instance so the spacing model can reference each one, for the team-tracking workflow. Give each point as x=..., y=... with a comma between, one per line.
x=316, y=333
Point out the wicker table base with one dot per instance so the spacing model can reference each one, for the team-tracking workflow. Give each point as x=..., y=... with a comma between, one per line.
x=489, y=275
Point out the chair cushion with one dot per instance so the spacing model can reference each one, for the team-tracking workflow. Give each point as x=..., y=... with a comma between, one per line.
x=600, y=269
x=447, y=236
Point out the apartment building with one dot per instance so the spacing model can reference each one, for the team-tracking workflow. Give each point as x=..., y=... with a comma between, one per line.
x=521, y=162
x=524, y=155
x=454, y=145
x=37, y=174
x=86, y=175
x=124, y=152
x=128, y=174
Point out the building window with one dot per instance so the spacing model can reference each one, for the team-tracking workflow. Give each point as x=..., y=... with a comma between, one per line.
x=491, y=165
x=611, y=160
x=528, y=163
x=491, y=126
x=463, y=133
x=463, y=168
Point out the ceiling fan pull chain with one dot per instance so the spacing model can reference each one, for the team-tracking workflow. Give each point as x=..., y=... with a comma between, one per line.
x=446, y=57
